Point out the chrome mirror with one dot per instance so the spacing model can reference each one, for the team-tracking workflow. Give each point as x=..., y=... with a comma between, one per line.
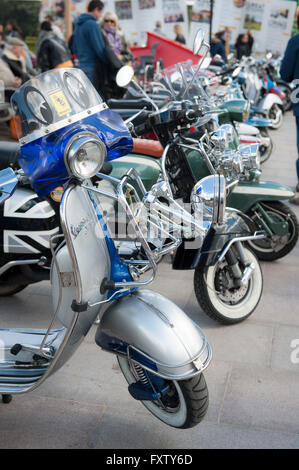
x=124, y=76
x=198, y=41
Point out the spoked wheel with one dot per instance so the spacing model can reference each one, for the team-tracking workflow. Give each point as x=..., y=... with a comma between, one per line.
x=271, y=249
x=266, y=147
x=276, y=116
x=221, y=298
x=185, y=403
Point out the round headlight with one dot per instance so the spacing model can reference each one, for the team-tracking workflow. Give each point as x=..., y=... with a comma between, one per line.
x=219, y=139
x=85, y=155
x=250, y=155
x=208, y=199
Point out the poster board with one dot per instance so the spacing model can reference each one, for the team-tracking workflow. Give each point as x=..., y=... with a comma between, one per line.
x=269, y=20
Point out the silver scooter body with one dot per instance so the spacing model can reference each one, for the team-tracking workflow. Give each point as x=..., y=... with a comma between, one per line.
x=153, y=331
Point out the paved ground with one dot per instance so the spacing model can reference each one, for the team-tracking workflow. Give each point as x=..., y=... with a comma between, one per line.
x=253, y=384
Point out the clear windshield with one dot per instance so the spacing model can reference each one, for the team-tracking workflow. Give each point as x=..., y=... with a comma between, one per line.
x=184, y=83
x=52, y=100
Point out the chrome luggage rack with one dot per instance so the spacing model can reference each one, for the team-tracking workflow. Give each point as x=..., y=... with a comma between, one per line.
x=144, y=215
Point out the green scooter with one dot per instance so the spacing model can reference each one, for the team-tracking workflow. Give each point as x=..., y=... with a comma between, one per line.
x=260, y=200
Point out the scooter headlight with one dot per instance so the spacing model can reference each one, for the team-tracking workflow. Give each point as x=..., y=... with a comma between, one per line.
x=85, y=155
x=251, y=156
x=208, y=200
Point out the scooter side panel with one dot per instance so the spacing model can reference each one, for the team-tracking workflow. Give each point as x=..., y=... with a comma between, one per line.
x=246, y=194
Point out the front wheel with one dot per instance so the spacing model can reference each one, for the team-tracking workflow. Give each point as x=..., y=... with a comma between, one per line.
x=272, y=249
x=221, y=298
x=276, y=116
x=266, y=146
x=287, y=101
x=183, y=406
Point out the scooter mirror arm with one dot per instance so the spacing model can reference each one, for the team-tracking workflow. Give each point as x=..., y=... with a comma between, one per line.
x=139, y=88
x=207, y=47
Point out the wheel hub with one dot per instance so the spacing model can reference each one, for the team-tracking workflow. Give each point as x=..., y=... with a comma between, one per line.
x=226, y=287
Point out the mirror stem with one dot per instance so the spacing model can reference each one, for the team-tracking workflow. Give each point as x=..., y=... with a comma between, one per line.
x=198, y=68
x=138, y=87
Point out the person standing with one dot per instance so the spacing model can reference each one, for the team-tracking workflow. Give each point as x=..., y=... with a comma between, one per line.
x=51, y=51
x=115, y=37
x=13, y=55
x=179, y=34
x=55, y=27
x=289, y=72
x=242, y=46
x=217, y=48
x=158, y=29
x=87, y=42
x=250, y=41
x=13, y=30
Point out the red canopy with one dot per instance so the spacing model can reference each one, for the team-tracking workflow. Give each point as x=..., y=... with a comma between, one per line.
x=170, y=51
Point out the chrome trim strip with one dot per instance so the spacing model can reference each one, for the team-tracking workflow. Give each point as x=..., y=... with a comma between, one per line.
x=65, y=122
x=11, y=264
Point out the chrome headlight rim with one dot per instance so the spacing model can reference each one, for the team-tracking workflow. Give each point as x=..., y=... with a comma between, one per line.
x=250, y=155
x=75, y=144
x=213, y=197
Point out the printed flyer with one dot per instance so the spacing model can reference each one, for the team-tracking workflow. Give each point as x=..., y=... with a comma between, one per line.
x=173, y=11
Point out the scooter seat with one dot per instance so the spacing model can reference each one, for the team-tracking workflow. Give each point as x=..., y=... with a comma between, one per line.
x=9, y=155
x=151, y=148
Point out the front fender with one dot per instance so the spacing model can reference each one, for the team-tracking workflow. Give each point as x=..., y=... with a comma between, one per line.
x=246, y=195
x=269, y=100
x=156, y=334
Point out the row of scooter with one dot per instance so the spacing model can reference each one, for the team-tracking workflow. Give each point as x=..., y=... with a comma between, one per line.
x=94, y=210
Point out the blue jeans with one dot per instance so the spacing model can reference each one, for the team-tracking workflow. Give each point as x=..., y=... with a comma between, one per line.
x=297, y=162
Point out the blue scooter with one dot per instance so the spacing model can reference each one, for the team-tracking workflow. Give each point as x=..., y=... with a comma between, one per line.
x=67, y=134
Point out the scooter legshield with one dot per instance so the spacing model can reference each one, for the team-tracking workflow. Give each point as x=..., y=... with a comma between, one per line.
x=156, y=334
x=247, y=194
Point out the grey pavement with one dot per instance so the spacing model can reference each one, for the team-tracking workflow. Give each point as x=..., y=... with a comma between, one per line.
x=253, y=383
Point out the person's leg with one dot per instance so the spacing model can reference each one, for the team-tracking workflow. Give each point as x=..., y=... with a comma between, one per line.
x=297, y=162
